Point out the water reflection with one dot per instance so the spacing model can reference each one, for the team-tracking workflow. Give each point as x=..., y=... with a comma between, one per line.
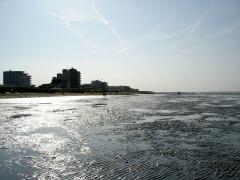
x=146, y=137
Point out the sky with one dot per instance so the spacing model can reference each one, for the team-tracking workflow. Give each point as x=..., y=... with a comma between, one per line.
x=158, y=45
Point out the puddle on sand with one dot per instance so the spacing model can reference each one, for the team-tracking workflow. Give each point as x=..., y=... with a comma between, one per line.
x=150, y=119
x=16, y=116
x=188, y=118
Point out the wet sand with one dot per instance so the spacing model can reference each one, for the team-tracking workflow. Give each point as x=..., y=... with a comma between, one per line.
x=30, y=95
x=121, y=137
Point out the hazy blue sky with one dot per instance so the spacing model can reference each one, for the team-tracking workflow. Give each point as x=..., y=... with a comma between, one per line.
x=160, y=45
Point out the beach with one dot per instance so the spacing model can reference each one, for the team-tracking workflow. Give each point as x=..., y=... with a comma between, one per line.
x=161, y=136
x=31, y=95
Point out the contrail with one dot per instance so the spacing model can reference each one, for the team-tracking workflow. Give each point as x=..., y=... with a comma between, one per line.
x=200, y=19
x=67, y=23
x=107, y=23
x=195, y=26
x=73, y=30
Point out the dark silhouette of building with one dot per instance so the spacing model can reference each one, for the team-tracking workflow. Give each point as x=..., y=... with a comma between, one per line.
x=45, y=86
x=87, y=88
x=99, y=86
x=68, y=79
x=16, y=79
x=122, y=89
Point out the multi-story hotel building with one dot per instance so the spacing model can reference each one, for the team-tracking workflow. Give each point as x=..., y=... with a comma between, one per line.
x=16, y=79
x=68, y=79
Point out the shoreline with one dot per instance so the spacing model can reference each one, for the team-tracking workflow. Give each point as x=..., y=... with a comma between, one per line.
x=33, y=95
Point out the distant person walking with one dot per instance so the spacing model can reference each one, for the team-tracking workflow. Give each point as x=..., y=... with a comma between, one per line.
x=178, y=93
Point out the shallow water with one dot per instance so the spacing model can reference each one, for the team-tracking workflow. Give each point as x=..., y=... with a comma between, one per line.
x=192, y=136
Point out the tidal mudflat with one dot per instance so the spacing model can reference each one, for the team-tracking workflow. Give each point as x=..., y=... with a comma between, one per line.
x=162, y=136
